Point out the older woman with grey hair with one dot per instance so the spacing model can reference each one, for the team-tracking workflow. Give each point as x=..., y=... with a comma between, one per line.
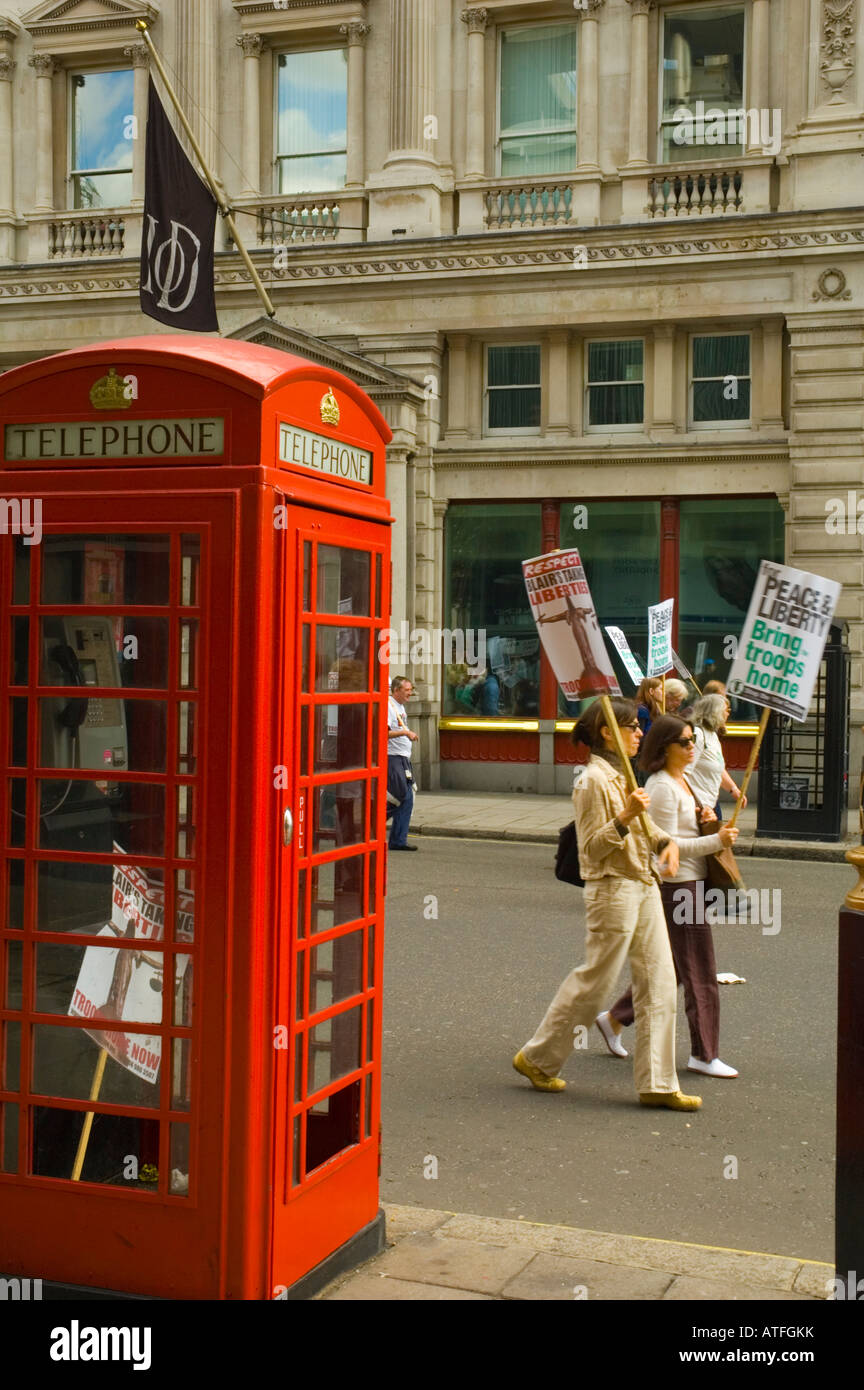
x=707, y=774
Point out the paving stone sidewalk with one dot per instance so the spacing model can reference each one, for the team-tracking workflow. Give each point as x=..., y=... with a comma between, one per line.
x=526, y=816
x=436, y=1256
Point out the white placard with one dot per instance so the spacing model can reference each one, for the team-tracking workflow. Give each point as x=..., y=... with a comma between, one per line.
x=623, y=649
x=660, y=638
x=562, y=609
x=783, y=638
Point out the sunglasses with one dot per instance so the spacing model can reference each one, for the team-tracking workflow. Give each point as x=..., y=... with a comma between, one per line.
x=634, y=725
x=685, y=742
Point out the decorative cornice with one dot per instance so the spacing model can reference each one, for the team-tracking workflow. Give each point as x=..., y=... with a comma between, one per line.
x=641, y=6
x=7, y=67
x=475, y=19
x=139, y=54
x=251, y=44
x=251, y=7
x=570, y=456
x=9, y=30
x=50, y=19
x=357, y=32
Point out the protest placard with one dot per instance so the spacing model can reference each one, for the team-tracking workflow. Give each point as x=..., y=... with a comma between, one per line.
x=782, y=640
x=660, y=638
x=623, y=649
x=567, y=623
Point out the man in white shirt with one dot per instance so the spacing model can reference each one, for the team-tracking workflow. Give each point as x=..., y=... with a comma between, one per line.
x=400, y=782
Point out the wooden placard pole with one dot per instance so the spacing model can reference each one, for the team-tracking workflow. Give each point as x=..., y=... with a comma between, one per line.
x=663, y=694
x=95, y=1088
x=751, y=763
x=629, y=774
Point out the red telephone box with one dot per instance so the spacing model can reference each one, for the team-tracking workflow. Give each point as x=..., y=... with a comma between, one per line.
x=193, y=726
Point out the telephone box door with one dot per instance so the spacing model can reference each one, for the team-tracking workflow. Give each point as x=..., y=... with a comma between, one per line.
x=332, y=875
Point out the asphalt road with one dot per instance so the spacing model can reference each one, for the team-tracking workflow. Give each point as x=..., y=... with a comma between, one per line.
x=463, y=992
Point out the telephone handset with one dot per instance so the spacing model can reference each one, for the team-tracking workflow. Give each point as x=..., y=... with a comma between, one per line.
x=78, y=732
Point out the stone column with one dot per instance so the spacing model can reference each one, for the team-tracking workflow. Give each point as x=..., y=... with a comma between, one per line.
x=771, y=412
x=558, y=395
x=457, y=386
x=760, y=70
x=663, y=410
x=139, y=54
x=197, y=48
x=475, y=125
x=251, y=45
x=45, y=67
x=586, y=132
x=7, y=73
x=639, y=122
x=356, y=33
x=412, y=90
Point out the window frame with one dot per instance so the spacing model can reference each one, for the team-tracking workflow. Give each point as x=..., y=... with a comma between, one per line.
x=744, y=422
x=319, y=45
x=504, y=432
x=564, y=130
x=588, y=428
x=72, y=175
x=715, y=156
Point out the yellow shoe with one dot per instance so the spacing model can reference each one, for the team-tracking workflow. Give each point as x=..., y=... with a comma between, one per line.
x=672, y=1100
x=538, y=1078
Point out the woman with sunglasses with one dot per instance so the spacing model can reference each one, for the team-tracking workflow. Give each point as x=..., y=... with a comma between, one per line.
x=667, y=753
x=623, y=918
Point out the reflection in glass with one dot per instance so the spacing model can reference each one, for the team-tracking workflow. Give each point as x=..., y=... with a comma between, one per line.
x=17, y=812
x=190, y=571
x=334, y=1048
x=341, y=658
x=8, y=1137
x=15, y=894
x=10, y=993
x=307, y=575
x=181, y=1077
x=340, y=737
x=20, y=650
x=100, y=982
x=186, y=822
x=373, y=886
x=126, y=735
x=343, y=581
x=370, y=955
x=379, y=597
x=179, y=1160
x=339, y=817
x=301, y=903
x=187, y=740
x=65, y=1059
x=189, y=644
x=21, y=571
x=105, y=569
x=336, y=892
x=18, y=733
x=301, y=985
x=295, y=1155
x=89, y=817
x=336, y=971
x=10, y=1056
x=101, y=157
x=304, y=668
x=123, y=1151
x=184, y=905
x=183, y=976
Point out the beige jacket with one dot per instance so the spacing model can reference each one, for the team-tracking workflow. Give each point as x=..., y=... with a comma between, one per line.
x=604, y=850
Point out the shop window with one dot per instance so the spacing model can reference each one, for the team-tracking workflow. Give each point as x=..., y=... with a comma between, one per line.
x=619, y=545
x=616, y=391
x=486, y=607
x=101, y=144
x=702, y=84
x=311, y=120
x=722, y=541
x=513, y=389
x=537, y=100
x=720, y=381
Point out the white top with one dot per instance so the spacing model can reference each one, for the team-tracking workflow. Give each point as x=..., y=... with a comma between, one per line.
x=674, y=810
x=706, y=771
x=396, y=720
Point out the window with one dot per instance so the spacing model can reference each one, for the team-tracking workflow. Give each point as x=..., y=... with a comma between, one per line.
x=311, y=120
x=537, y=102
x=100, y=156
x=703, y=84
x=616, y=393
x=720, y=387
x=486, y=606
x=513, y=389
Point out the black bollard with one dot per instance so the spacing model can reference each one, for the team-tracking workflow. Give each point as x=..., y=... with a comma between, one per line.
x=849, y=1188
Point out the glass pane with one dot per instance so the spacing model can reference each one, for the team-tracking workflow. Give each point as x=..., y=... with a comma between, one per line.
x=616, y=362
x=341, y=658
x=703, y=59
x=368, y=1081
x=298, y=1066
x=304, y=660
x=187, y=677
x=343, y=581
x=17, y=812
x=101, y=103
x=336, y=893
x=712, y=400
x=514, y=409
x=181, y=1074
x=340, y=737
x=379, y=596
x=303, y=718
x=333, y=1125
x=10, y=993
x=18, y=733
x=722, y=542
x=538, y=78
x=492, y=665
x=21, y=571
x=10, y=1056
x=312, y=109
x=370, y=1028
x=20, y=650
x=301, y=986
x=187, y=822
x=339, y=817
x=370, y=956
x=92, y=817
x=65, y=1062
x=373, y=886
x=184, y=905
x=514, y=366
x=187, y=738
x=102, y=190
x=120, y=1151
x=311, y=174
x=334, y=1048
x=376, y=751
x=8, y=1138
x=301, y=903
x=179, y=1160
x=295, y=1151
x=105, y=569
x=620, y=549
x=615, y=405
x=85, y=898
x=100, y=732
x=336, y=971
x=88, y=651
x=728, y=355
x=102, y=982
x=15, y=894
x=307, y=576
x=183, y=976
x=190, y=571
x=528, y=155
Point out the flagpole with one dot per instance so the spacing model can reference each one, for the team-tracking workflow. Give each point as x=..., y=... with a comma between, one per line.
x=141, y=26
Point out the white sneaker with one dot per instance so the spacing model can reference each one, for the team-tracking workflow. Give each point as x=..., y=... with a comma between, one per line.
x=610, y=1037
x=715, y=1068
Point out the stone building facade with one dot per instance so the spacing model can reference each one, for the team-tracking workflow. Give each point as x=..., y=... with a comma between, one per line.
x=562, y=296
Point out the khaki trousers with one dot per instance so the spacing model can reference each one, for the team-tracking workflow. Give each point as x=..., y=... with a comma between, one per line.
x=624, y=919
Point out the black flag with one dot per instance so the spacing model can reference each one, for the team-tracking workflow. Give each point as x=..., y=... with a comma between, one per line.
x=177, y=237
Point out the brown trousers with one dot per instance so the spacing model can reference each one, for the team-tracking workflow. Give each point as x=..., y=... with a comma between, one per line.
x=695, y=968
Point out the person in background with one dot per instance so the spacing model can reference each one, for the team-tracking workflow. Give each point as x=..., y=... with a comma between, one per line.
x=708, y=772
x=667, y=755
x=648, y=702
x=676, y=694
x=400, y=782
x=624, y=921
x=490, y=693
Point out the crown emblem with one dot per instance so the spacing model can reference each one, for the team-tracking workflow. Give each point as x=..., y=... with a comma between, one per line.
x=109, y=393
x=329, y=408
